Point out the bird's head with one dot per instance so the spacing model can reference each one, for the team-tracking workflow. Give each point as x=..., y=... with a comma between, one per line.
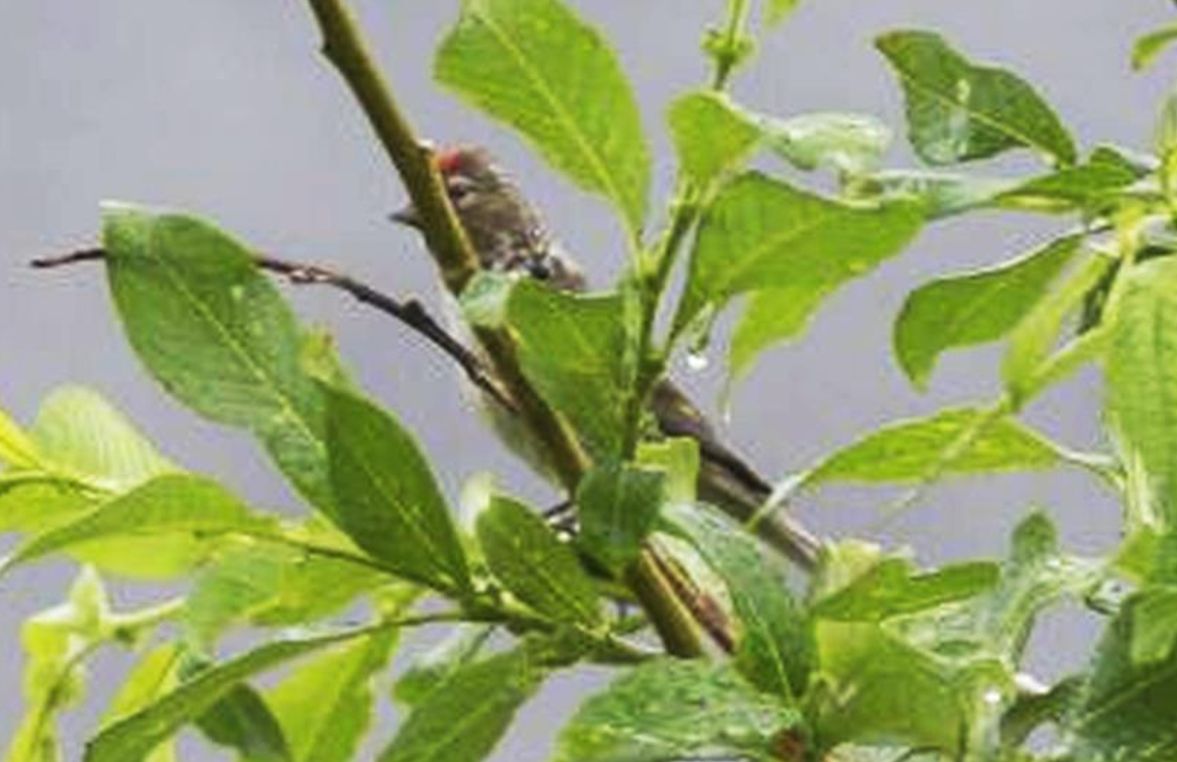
x=469, y=175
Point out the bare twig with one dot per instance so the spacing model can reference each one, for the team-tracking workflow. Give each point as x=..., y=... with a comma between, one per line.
x=410, y=312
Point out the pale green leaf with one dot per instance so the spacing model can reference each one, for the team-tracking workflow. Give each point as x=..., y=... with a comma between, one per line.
x=325, y=706
x=974, y=308
x=534, y=565
x=776, y=11
x=1141, y=368
x=217, y=335
x=852, y=144
x=460, y=646
x=1148, y=48
x=538, y=67
x=388, y=501
x=711, y=134
x=151, y=678
x=183, y=507
x=774, y=648
x=958, y=111
x=892, y=587
x=669, y=710
x=85, y=436
x=463, y=718
x=136, y=735
x=17, y=449
x=55, y=642
x=34, y=505
x=617, y=507
x=907, y=451
x=271, y=584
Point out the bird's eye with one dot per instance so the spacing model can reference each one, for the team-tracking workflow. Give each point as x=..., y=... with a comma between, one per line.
x=539, y=269
x=458, y=188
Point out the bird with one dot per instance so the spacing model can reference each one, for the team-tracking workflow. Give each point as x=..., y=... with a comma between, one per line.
x=509, y=235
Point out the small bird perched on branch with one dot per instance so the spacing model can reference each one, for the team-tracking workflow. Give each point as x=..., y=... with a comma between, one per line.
x=509, y=235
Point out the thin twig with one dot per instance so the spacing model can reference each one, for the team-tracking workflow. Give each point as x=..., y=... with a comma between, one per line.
x=409, y=312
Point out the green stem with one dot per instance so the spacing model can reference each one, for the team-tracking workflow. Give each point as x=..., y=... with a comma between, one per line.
x=345, y=47
x=126, y=627
x=729, y=51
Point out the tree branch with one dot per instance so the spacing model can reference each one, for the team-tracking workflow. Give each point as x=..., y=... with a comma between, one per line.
x=410, y=312
x=344, y=46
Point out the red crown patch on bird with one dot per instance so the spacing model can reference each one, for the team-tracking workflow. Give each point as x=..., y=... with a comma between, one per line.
x=449, y=160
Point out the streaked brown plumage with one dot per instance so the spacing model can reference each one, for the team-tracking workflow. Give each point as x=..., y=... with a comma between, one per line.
x=509, y=235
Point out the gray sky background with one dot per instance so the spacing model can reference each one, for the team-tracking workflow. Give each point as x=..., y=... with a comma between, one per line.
x=223, y=107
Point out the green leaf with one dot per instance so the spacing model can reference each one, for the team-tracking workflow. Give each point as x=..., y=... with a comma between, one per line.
x=431, y=668
x=241, y=720
x=17, y=449
x=1126, y=711
x=974, y=308
x=1031, y=710
x=217, y=335
x=138, y=734
x=84, y=435
x=958, y=111
x=536, y=66
x=326, y=705
x=852, y=144
x=168, y=514
x=1154, y=624
x=774, y=649
x=1035, y=575
x=464, y=717
x=268, y=584
x=1141, y=368
x=56, y=642
x=711, y=134
x=678, y=459
x=1089, y=187
x=389, y=502
x=1147, y=48
x=617, y=507
x=671, y=709
x=892, y=587
x=34, y=505
x=762, y=235
x=575, y=350
x=940, y=194
x=534, y=565
x=776, y=11
x=907, y=451
x=881, y=689
x=151, y=678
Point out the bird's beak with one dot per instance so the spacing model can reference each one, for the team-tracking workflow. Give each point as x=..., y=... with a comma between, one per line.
x=406, y=216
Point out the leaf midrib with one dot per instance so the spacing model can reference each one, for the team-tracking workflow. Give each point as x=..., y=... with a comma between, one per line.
x=268, y=382
x=595, y=162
